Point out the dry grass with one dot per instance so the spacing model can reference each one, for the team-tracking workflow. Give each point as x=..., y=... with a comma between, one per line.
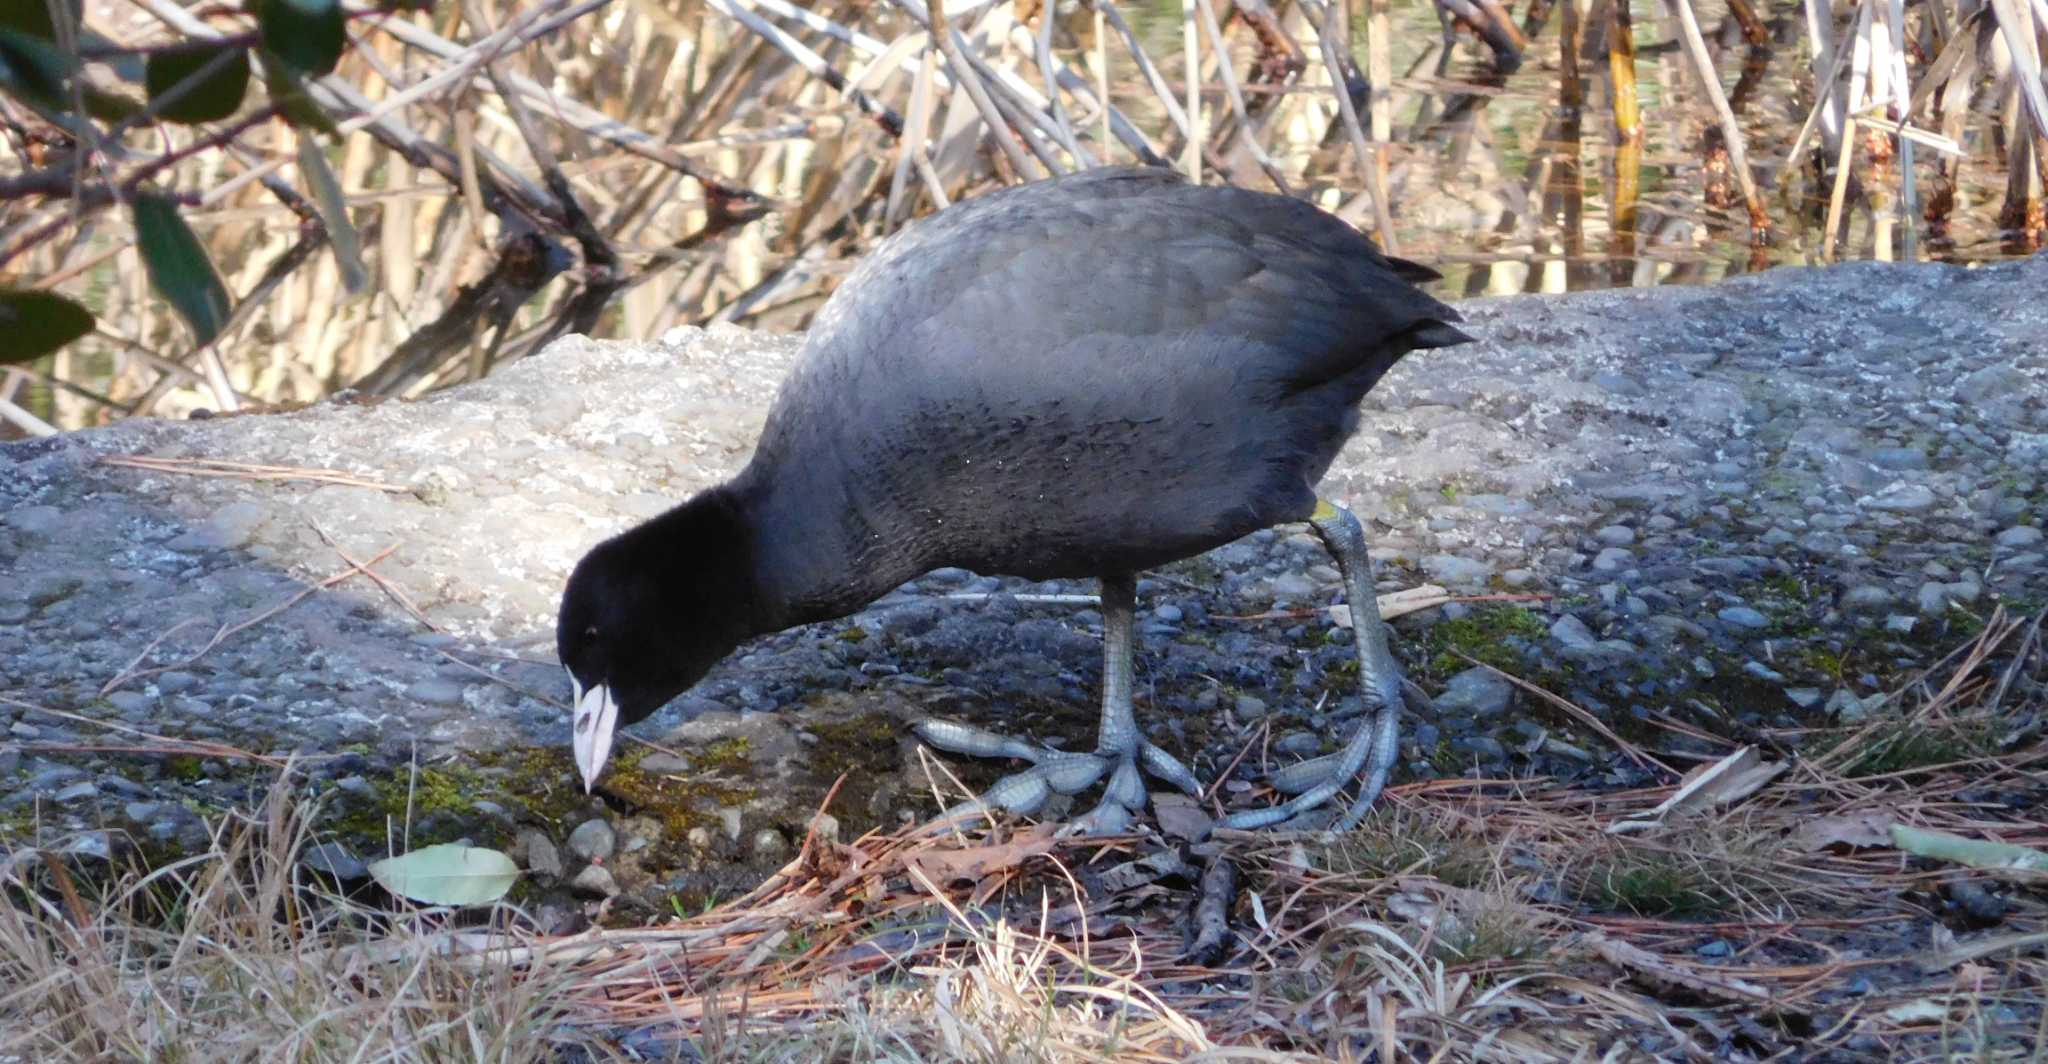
x=1469, y=920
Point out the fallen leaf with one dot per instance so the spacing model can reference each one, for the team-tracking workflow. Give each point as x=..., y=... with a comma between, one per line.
x=1856, y=831
x=976, y=863
x=447, y=874
x=1724, y=782
x=1181, y=817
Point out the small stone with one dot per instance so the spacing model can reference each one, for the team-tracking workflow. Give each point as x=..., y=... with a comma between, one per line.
x=541, y=856
x=1744, y=617
x=1613, y=559
x=826, y=827
x=1867, y=598
x=2018, y=537
x=595, y=880
x=1476, y=692
x=1899, y=622
x=1518, y=577
x=1572, y=632
x=768, y=844
x=1901, y=497
x=130, y=702
x=1763, y=672
x=436, y=692
x=1716, y=949
x=1899, y=459
x=1615, y=536
x=1299, y=744
x=1169, y=613
x=1484, y=749
x=661, y=764
x=77, y=792
x=1293, y=586
x=173, y=683
x=334, y=859
x=592, y=840
x=1932, y=598
x=1803, y=697
x=1451, y=569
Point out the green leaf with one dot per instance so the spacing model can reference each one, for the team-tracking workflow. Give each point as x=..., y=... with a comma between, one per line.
x=36, y=323
x=307, y=34
x=448, y=874
x=178, y=266
x=289, y=94
x=34, y=71
x=216, y=96
x=342, y=237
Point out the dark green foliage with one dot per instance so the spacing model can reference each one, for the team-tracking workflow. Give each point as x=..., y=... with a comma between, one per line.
x=308, y=35
x=37, y=323
x=216, y=96
x=178, y=266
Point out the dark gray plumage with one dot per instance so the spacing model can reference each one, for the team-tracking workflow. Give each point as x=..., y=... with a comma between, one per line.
x=1086, y=376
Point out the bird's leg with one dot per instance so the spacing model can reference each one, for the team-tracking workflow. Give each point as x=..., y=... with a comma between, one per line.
x=1372, y=750
x=1120, y=749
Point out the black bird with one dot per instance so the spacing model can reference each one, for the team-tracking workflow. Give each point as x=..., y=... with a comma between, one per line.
x=1081, y=377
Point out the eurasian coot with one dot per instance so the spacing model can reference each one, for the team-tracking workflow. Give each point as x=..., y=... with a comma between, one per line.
x=1081, y=377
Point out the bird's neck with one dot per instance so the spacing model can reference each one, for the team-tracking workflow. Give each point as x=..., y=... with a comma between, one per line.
x=813, y=556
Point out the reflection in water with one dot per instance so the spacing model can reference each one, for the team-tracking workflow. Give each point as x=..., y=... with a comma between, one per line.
x=1522, y=163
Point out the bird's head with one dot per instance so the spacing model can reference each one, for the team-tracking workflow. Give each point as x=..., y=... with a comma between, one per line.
x=645, y=615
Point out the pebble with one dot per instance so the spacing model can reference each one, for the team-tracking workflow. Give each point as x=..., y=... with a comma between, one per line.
x=1572, y=632
x=1615, y=535
x=1453, y=570
x=1867, y=598
x=1901, y=498
x=436, y=692
x=1476, y=692
x=1744, y=617
x=1250, y=707
x=596, y=881
x=2018, y=537
x=332, y=858
x=768, y=844
x=1614, y=559
x=1483, y=748
x=593, y=840
x=1899, y=459
x=1299, y=744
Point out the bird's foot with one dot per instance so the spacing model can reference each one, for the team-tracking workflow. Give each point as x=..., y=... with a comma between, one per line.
x=1368, y=758
x=1060, y=772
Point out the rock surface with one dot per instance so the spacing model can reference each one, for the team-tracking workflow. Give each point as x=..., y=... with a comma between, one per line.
x=1772, y=497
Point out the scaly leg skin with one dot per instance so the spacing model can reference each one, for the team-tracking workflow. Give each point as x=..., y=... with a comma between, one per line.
x=1372, y=750
x=1120, y=749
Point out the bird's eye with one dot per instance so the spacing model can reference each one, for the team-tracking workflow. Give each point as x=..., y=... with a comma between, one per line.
x=591, y=631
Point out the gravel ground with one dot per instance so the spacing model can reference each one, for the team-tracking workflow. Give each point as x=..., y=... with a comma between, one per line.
x=1749, y=506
